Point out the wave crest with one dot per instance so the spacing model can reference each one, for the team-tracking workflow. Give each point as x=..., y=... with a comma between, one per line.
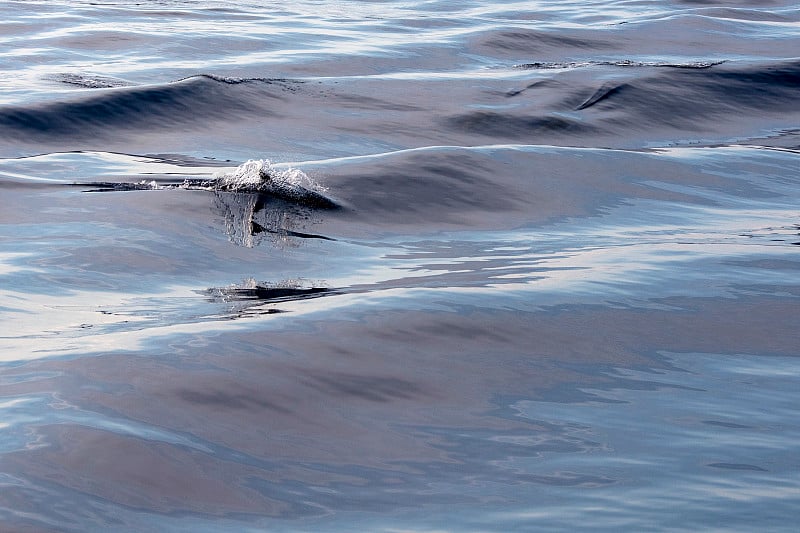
x=548, y=65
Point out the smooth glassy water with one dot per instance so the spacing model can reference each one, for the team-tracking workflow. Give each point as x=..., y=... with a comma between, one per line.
x=399, y=266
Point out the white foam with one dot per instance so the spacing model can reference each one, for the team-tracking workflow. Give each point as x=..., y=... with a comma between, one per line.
x=247, y=175
x=261, y=175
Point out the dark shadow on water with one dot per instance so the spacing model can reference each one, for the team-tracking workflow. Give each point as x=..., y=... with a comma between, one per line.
x=266, y=293
x=371, y=388
x=251, y=298
x=506, y=125
x=228, y=400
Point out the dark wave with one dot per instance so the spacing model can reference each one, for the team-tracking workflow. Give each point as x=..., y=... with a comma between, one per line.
x=572, y=106
x=455, y=187
x=507, y=125
x=741, y=100
x=192, y=100
x=680, y=97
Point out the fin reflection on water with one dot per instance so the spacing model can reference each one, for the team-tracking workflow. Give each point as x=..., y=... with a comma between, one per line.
x=249, y=217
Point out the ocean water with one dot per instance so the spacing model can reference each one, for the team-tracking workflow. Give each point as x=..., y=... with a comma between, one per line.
x=399, y=265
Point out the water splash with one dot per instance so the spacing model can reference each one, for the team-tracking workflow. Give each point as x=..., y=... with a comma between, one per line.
x=259, y=175
x=254, y=174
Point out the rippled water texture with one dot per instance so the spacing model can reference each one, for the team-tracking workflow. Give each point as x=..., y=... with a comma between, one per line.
x=399, y=266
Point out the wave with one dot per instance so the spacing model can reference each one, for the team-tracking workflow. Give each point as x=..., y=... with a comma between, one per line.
x=612, y=104
x=87, y=81
x=191, y=100
x=560, y=65
x=683, y=96
x=735, y=99
x=93, y=81
x=501, y=186
x=236, y=80
x=443, y=187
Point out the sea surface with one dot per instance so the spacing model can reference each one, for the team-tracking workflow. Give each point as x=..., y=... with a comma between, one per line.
x=399, y=265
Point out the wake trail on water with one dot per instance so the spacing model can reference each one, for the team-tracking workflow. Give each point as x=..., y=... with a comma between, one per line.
x=253, y=176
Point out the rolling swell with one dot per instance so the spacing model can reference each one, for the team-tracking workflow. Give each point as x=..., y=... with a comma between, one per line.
x=687, y=94
x=502, y=186
x=736, y=100
x=192, y=100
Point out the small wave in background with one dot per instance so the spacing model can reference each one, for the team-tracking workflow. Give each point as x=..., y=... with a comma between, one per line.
x=337, y=266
